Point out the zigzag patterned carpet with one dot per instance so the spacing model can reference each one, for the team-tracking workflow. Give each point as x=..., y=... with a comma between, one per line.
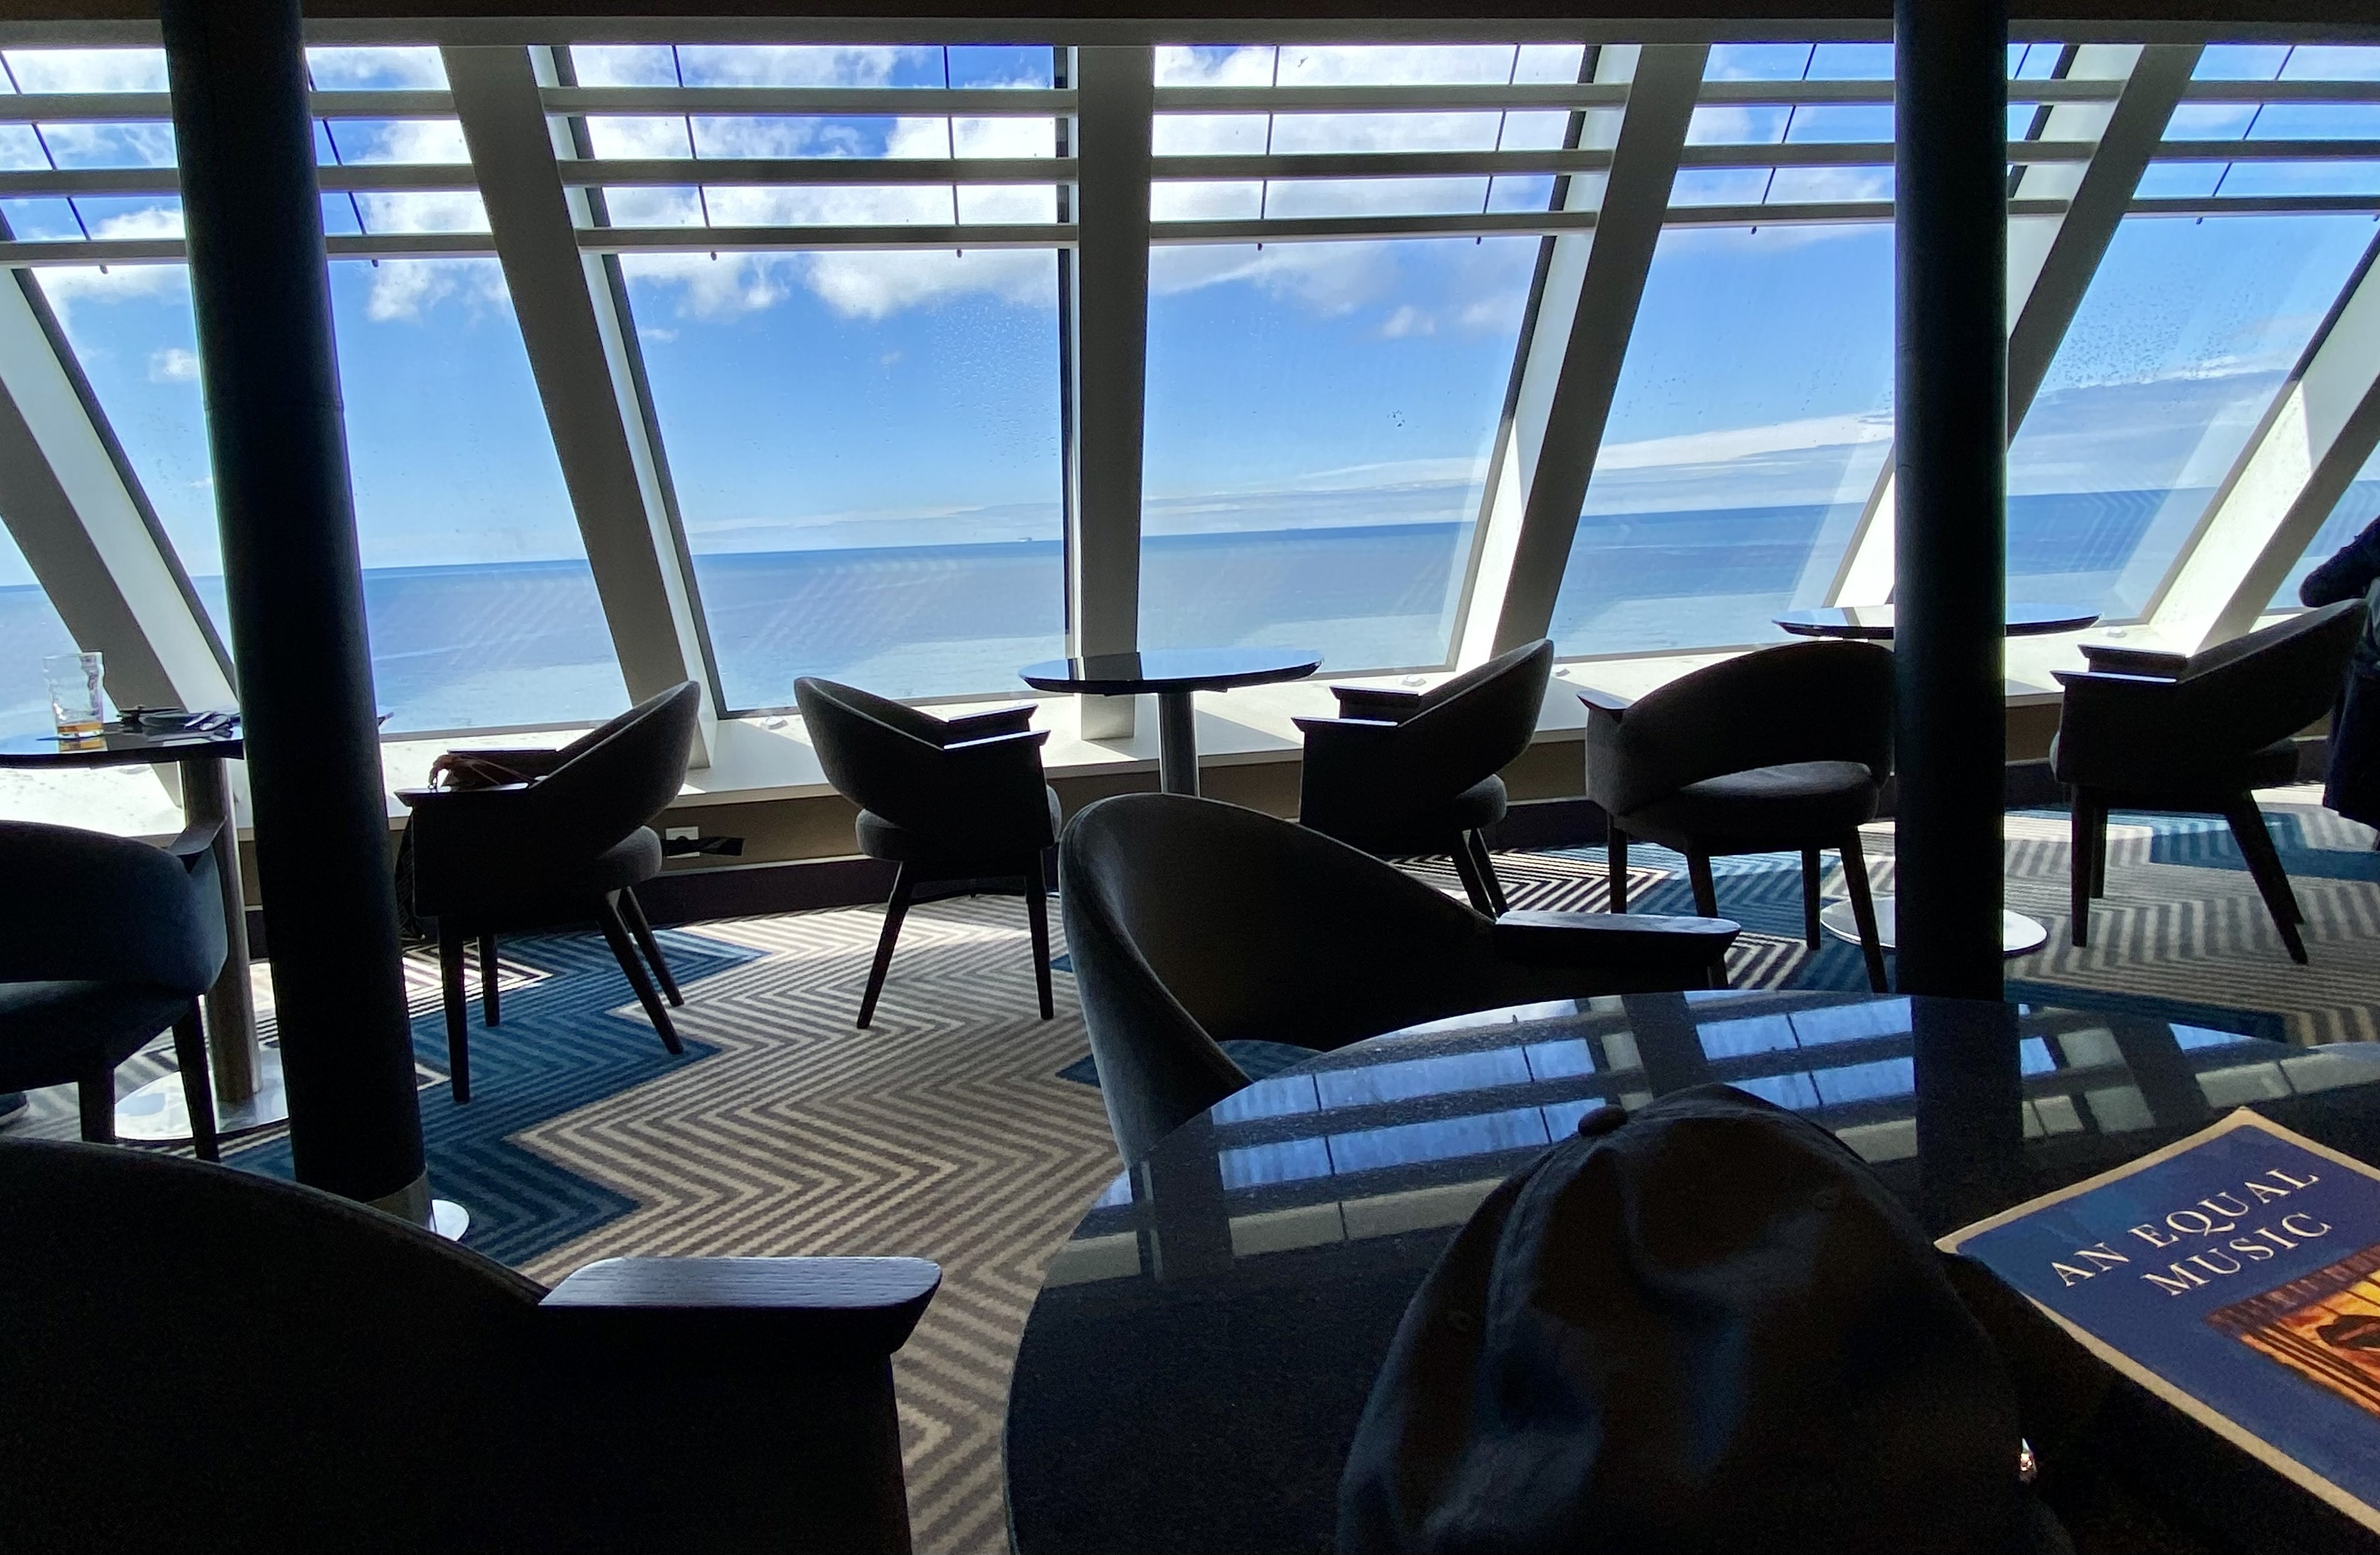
x=947, y=1131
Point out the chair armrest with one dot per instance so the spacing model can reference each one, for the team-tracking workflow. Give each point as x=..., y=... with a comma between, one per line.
x=865, y=1306
x=195, y=842
x=1024, y=738
x=1604, y=701
x=1613, y=939
x=1377, y=705
x=1357, y=729
x=458, y=798
x=528, y=763
x=2148, y=662
x=982, y=725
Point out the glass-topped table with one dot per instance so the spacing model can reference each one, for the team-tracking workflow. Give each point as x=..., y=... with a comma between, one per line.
x=247, y=1088
x=1173, y=674
x=1202, y=1345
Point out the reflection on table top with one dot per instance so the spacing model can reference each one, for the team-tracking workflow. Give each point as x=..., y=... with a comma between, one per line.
x=1160, y=669
x=1250, y=1274
x=115, y=746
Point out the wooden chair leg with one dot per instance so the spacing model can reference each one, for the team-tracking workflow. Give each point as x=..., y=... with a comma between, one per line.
x=1485, y=861
x=1037, y=912
x=1615, y=864
x=634, y=912
x=624, y=950
x=904, y=886
x=2264, y=866
x=2098, y=848
x=489, y=1006
x=458, y=1012
x=95, y=1093
x=1812, y=868
x=198, y=1085
x=1698, y=871
x=1863, y=908
x=2085, y=836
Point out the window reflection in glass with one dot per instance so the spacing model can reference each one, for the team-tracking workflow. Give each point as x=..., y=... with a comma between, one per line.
x=1752, y=418
x=1321, y=419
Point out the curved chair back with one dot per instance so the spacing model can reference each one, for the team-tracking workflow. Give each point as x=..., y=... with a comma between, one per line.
x=617, y=778
x=890, y=760
x=217, y=1361
x=1458, y=734
x=1822, y=700
x=2122, y=733
x=1192, y=921
x=2269, y=684
x=240, y=1363
x=84, y=906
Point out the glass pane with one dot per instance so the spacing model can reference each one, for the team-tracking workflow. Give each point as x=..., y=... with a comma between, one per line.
x=481, y=608
x=1752, y=418
x=2186, y=331
x=1321, y=419
x=482, y=605
x=2358, y=506
x=30, y=631
x=866, y=451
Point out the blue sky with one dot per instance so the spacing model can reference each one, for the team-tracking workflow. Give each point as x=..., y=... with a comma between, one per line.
x=839, y=398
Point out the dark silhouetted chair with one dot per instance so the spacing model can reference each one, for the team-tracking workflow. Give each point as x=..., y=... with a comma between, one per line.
x=1193, y=922
x=1783, y=749
x=1403, y=773
x=104, y=942
x=2199, y=735
x=567, y=842
x=945, y=799
x=313, y=1375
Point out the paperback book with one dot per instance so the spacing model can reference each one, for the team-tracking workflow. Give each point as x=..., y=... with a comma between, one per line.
x=2235, y=1274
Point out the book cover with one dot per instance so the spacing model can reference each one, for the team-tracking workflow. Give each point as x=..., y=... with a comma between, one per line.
x=2236, y=1274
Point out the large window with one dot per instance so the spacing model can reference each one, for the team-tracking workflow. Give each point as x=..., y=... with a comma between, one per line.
x=1321, y=419
x=1752, y=418
x=477, y=595
x=865, y=440
x=2358, y=506
x=2189, y=329
x=30, y=631
x=1321, y=414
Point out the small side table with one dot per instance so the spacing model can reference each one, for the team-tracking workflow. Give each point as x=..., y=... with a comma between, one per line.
x=248, y=1093
x=1173, y=674
x=1873, y=623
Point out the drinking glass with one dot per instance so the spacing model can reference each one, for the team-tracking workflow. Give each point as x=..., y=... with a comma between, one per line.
x=74, y=694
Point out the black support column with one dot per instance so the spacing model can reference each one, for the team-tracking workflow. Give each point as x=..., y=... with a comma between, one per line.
x=261, y=289
x=1950, y=540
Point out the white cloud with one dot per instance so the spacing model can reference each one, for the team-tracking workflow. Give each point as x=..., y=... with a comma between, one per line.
x=1408, y=320
x=336, y=69
x=172, y=365
x=1744, y=442
x=403, y=140
x=875, y=285
x=423, y=211
x=150, y=220
x=67, y=286
x=88, y=69
x=404, y=288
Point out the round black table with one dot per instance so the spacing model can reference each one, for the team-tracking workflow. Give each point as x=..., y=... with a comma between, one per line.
x=247, y=1086
x=1202, y=1346
x=1173, y=674
x=1873, y=623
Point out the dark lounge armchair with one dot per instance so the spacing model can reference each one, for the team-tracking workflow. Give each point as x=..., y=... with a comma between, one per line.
x=104, y=942
x=1785, y=750
x=945, y=799
x=1194, y=923
x=1403, y=773
x=2198, y=735
x=565, y=843
x=204, y=1360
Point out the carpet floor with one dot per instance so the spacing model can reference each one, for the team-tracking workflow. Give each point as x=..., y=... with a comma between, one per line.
x=948, y=1131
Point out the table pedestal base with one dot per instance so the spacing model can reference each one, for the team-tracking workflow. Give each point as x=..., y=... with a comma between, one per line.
x=2019, y=934
x=1177, y=744
x=157, y=1113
